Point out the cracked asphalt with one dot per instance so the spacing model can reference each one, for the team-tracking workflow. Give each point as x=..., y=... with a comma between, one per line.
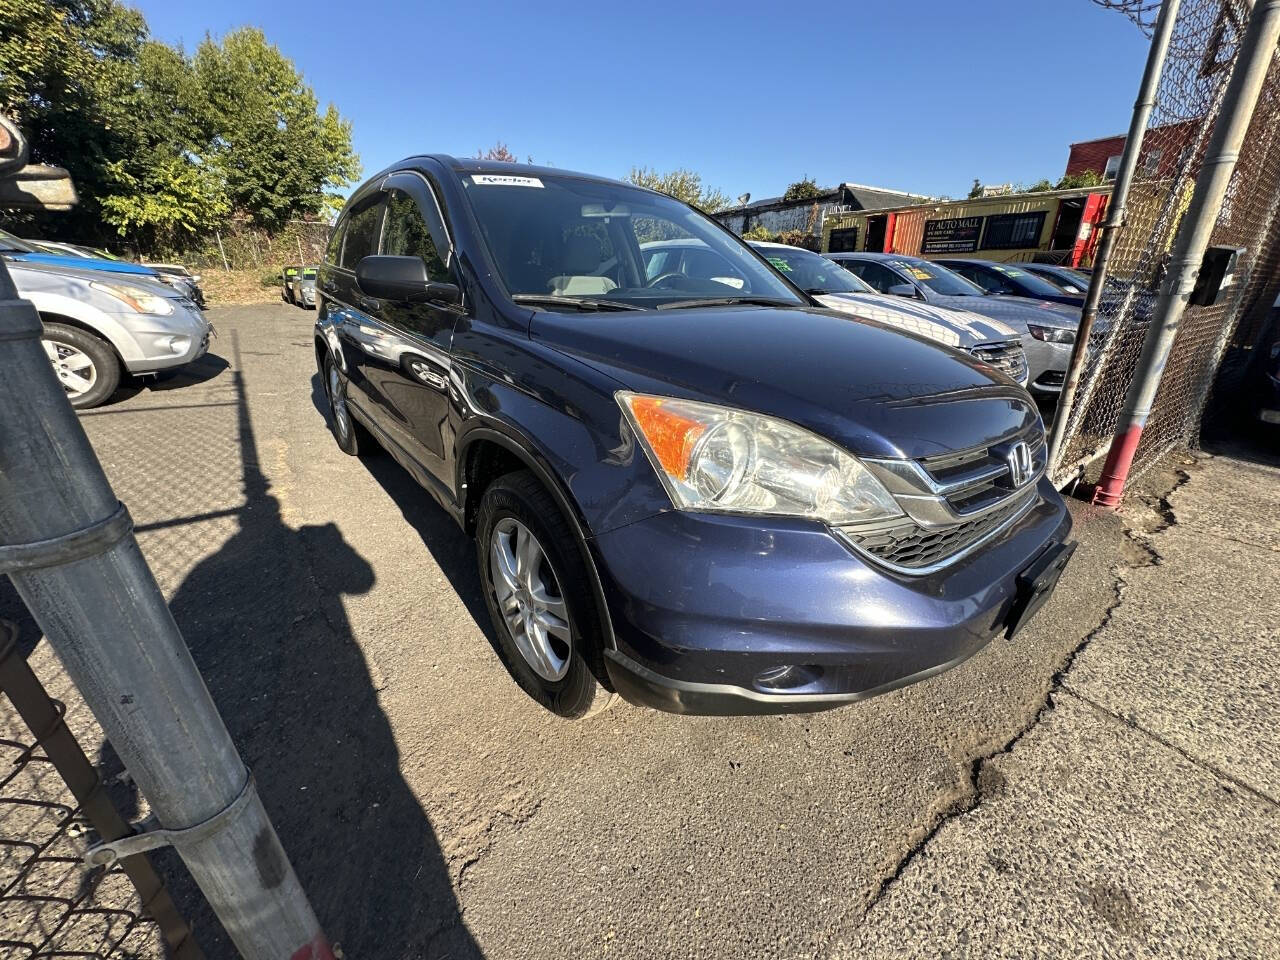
x=1103, y=786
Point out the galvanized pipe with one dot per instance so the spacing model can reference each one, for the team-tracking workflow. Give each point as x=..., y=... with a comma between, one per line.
x=1116, y=207
x=100, y=608
x=45, y=721
x=1257, y=48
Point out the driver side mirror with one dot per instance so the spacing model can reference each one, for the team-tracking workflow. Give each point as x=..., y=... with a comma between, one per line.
x=403, y=280
x=903, y=290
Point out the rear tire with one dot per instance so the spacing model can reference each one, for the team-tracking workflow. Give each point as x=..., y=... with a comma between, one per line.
x=549, y=629
x=85, y=365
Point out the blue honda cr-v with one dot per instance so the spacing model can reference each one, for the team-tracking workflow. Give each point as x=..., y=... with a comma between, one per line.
x=710, y=496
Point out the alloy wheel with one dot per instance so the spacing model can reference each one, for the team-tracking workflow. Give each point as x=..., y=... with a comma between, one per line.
x=529, y=597
x=338, y=402
x=74, y=368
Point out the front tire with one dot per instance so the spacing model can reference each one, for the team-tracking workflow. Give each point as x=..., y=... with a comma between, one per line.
x=85, y=365
x=539, y=598
x=352, y=438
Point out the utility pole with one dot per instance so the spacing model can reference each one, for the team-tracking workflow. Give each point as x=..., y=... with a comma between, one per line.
x=67, y=544
x=1257, y=48
x=1142, y=108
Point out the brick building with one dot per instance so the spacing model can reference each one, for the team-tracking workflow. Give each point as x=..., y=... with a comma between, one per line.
x=1162, y=149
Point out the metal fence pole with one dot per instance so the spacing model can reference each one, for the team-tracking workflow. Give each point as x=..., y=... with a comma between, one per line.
x=1142, y=108
x=1257, y=48
x=70, y=551
x=44, y=719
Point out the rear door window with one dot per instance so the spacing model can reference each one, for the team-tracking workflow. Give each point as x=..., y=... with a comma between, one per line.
x=361, y=234
x=333, y=252
x=882, y=278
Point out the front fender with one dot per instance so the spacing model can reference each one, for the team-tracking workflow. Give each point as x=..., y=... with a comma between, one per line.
x=575, y=436
x=107, y=326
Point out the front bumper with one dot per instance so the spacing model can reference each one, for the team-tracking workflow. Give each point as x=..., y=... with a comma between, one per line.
x=1046, y=364
x=721, y=615
x=162, y=343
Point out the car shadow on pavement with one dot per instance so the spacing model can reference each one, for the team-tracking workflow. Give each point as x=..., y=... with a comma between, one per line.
x=264, y=619
x=200, y=371
x=451, y=549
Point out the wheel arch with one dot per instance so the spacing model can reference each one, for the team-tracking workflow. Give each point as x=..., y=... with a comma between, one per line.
x=489, y=442
x=49, y=316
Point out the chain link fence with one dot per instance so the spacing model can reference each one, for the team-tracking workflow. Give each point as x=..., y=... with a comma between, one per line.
x=53, y=807
x=1202, y=52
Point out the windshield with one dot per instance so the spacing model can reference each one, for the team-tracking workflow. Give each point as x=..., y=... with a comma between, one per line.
x=1030, y=284
x=938, y=279
x=1071, y=281
x=12, y=244
x=564, y=242
x=812, y=273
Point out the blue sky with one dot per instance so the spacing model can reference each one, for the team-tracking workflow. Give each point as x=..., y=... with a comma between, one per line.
x=922, y=95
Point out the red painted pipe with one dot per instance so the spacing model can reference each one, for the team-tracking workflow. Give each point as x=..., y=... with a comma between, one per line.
x=315, y=949
x=1116, y=470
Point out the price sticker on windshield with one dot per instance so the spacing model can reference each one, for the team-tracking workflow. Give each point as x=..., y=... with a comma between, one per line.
x=503, y=180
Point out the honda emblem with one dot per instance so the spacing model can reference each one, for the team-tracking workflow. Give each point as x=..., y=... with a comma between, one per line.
x=1019, y=461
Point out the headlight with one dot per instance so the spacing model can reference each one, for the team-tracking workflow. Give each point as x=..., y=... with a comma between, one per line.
x=1052, y=334
x=717, y=458
x=143, y=301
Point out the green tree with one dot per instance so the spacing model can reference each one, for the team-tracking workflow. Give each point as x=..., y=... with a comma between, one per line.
x=976, y=190
x=274, y=152
x=62, y=64
x=162, y=146
x=1039, y=186
x=804, y=189
x=683, y=185
x=159, y=191
x=1088, y=178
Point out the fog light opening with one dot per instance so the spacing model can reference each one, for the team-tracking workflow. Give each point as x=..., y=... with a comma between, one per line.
x=788, y=677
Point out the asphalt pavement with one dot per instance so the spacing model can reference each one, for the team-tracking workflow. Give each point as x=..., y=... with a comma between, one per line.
x=1104, y=785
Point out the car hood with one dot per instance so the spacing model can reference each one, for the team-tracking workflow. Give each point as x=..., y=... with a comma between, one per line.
x=1017, y=312
x=83, y=263
x=870, y=388
x=953, y=328
x=72, y=271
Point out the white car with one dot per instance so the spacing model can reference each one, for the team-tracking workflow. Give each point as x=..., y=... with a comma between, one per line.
x=99, y=326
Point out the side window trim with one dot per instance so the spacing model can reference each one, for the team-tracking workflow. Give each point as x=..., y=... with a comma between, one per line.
x=417, y=187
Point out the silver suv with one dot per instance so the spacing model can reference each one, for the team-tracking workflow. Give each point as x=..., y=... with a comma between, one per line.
x=99, y=326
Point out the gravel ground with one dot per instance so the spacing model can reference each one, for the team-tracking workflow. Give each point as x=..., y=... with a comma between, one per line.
x=1056, y=795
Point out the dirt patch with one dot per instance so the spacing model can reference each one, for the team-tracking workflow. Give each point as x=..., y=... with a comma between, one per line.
x=237, y=287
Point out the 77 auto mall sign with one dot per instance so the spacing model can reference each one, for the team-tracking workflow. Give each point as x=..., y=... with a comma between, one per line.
x=958, y=235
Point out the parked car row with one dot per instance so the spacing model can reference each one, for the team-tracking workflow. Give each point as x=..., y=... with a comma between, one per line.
x=1048, y=328
x=104, y=317
x=174, y=274
x=707, y=476
x=298, y=286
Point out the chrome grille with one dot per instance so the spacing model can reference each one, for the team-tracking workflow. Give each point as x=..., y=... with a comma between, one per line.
x=913, y=547
x=1009, y=358
x=952, y=502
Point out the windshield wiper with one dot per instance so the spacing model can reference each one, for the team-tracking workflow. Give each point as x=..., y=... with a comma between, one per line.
x=727, y=301
x=551, y=300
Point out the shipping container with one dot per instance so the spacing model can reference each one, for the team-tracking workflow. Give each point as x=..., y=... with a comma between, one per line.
x=1053, y=226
